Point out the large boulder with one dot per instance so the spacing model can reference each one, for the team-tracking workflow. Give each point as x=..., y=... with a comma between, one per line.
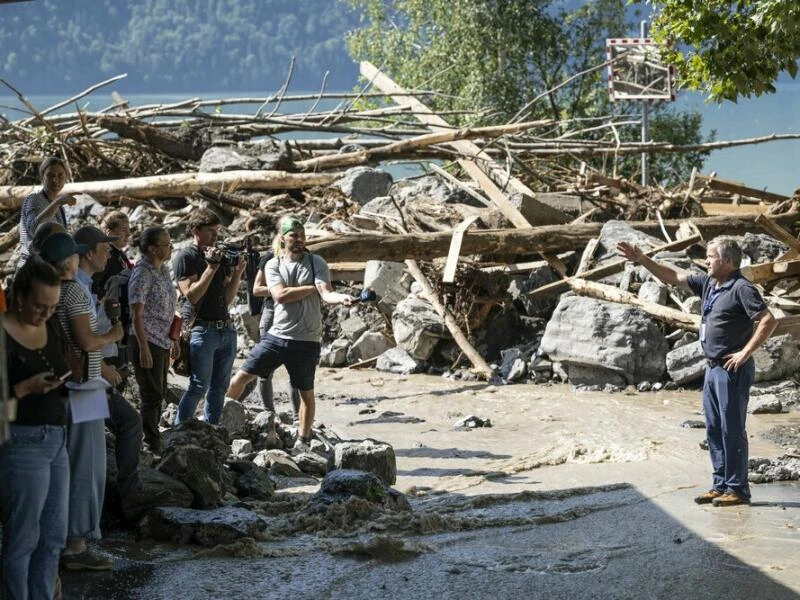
x=362, y=184
x=686, y=363
x=778, y=358
x=397, y=360
x=389, y=281
x=234, y=418
x=334, y=354
x=521, y=285
x=369, y=345
x=621, y=341
x=417, y=327
x=224, y=158
x=367, y=455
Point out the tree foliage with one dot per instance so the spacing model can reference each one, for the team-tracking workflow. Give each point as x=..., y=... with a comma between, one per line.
x=175, y=45
x=512, y=56
x=730, y=48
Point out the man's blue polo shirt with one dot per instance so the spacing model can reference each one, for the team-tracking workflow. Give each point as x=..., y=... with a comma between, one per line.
x=728, y=313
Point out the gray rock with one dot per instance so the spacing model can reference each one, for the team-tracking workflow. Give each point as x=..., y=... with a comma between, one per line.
x=514, y=364
x=312, y=463
x=685, y=339
x=200, y=470
x=593, y=378
x=417, y=327
x=765, y=404
x=397, y=360
x=341, y=485
x=247, y=322
x=278, y=462
x=644, y=386
x=369, y=345
x=334, y=354
x=686, y=363
x=234, y=418
x=241, y=448
x=778, y=358
x=224, y=158
x=367, y=455
x=85, y=208
x=614, y=232
x=761, y=247
x=254, y=483
x=389, y=281
x=471, y=422
x=432, y=190
x=362, y=184
x=765, y=470
x=353, y=327
x=384, y=206
x=652, y=291
x=204, y=527
x=693, y=304
x=620, y=340
x=521, y=285
x=200, y=434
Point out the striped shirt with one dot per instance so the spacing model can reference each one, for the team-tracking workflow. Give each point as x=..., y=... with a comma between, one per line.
x=75, y=302
x=31, y=207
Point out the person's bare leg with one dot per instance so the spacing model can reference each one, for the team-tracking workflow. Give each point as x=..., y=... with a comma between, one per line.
x=307, y=409
x=237, y=384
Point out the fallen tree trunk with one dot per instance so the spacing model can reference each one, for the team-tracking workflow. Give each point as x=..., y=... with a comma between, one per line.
x=178, y=184
x=547, y=238
x=601, y=291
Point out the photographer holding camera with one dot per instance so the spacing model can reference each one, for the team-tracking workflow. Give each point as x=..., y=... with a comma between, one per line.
x=298, y=282
x=208, y=278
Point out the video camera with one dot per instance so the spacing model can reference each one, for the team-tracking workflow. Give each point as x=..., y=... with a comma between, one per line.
x=229, y=253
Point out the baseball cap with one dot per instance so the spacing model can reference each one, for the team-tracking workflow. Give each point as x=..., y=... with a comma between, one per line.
x=59, y=246
x=90, y=236
x=290, y=223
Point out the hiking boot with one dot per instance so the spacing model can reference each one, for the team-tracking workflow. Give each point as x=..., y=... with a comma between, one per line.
x=136, y=502
x=708, y=497
x=730, y=499
x=88, y=560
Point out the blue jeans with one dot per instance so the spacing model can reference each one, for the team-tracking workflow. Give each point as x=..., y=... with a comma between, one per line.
x=86, y=446
x=211, y=352
x=34, y=472
x=725, y=397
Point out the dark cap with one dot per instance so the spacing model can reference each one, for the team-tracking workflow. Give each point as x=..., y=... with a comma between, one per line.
x=59, y=246
x=91, y=236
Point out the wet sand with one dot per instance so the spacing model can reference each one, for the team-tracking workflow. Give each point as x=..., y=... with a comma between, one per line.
x=568, y=495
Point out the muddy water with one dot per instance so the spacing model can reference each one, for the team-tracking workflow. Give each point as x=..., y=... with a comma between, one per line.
x=568, y=495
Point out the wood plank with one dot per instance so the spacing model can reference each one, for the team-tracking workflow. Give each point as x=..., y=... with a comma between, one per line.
x=481, y=167
x=449, y=273
x=734, y=187
x=712, y=208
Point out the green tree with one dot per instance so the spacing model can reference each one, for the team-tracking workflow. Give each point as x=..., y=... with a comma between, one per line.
x=730, y=48
x=501, y=55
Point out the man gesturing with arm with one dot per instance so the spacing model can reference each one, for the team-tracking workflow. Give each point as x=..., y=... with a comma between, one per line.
x=735, y=321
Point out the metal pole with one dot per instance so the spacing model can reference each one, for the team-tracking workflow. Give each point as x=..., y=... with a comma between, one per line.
x=645, y=133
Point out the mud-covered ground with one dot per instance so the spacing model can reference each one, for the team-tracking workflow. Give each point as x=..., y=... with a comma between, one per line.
x=568, y=495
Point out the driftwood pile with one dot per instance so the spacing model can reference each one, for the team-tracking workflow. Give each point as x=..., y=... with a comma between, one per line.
x=521, y=206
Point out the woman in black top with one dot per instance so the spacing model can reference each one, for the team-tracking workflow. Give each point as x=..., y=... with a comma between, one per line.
x=34, y=469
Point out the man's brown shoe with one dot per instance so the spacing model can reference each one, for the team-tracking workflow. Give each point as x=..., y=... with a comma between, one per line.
x=730, y=499
x=708, y=497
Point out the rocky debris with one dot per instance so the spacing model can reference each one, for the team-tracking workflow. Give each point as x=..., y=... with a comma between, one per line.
x=334, y=354
x=234, y=418
x=514, y=365
x=205, y=527
x=653, y=291
x=200, y=470
x=765, y=404
x=761, y=248
x=417, y=327
x=390, y=282
x=686, y=363
x=343, y=484
x=241, y=448
x=693, y=424
x=251, y=481
x=397, y=360
x=224, y=158
x=200, y=434
x=370, y=344
x=367, y=455
x=778, y=358
x=787, y=436
x=519, y=287
x=278, y=462
x=312, y=463
x=601, y=342
x=363, y=184
x=471, y=422
x=782, y=468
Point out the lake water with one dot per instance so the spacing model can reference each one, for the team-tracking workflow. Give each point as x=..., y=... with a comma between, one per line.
x=772, y=166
